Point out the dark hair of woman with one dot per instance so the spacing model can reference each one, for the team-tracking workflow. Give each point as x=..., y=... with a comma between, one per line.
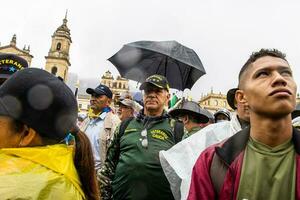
x=84, y=163
x=17, y=126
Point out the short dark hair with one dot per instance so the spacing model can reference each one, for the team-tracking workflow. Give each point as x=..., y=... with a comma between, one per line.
x=256, y=55
x=17, y=125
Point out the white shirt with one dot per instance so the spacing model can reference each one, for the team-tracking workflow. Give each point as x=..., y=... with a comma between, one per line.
x=93, y=131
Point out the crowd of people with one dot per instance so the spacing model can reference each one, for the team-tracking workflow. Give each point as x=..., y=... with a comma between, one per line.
x=157, y=150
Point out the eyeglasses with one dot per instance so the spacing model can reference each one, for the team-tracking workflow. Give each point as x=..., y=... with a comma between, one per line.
x=144, y=139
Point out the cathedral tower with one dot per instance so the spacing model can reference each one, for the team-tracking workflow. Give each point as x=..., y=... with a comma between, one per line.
x=58, y=61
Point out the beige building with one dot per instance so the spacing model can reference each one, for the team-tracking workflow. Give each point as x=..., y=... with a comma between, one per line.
x=214, y=101
x=298, y=98
x=58, y=60
x=83, y=101
x=117, y=86
x=13, y=49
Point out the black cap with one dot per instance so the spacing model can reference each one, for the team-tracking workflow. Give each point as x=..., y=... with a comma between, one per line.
x=156, y=80
x=190, y=108
x=101, y=90
x=231, y=97
x=41, y=101
x=11, y=63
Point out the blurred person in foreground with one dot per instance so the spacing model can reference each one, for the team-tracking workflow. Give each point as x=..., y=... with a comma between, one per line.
x=43, y=155
x=178, y=161
x=132, y=169
x=262, y=159
x=9, y=64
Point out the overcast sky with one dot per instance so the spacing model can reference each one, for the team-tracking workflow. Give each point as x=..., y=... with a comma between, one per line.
x=223, y=33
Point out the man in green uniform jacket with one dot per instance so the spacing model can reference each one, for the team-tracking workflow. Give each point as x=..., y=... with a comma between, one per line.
x=132, y=169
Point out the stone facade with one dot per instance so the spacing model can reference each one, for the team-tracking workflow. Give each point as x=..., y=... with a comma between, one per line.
x=214, y=101
x=13, y=49
x=117, y=86
x=83, y=101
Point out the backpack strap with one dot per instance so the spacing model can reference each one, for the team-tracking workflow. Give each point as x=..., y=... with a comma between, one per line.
x=124, y=125
x=217, y=173
x=178, y=131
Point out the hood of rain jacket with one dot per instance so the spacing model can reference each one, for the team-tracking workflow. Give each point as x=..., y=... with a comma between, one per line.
x=46, y=172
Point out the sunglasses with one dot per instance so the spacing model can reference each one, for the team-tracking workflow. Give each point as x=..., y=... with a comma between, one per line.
x=144, y=139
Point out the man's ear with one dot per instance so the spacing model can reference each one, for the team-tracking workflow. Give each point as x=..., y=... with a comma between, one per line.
x=240, y=97
x=185, y=119
x=29, y=136
x=167, y=98
x=168, y=95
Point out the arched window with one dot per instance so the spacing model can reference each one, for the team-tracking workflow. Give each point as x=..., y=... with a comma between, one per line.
x=54, y=70
x=58, y=46
x=216, y=102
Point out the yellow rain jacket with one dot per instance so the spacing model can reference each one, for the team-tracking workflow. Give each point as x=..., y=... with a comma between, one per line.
x=46, y=172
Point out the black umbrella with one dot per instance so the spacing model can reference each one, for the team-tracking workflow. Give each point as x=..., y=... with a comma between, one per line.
x=180, y=64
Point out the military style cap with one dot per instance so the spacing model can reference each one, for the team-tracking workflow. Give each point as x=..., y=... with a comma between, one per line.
x=11, y=63
x=156, y=80
x=231, y=97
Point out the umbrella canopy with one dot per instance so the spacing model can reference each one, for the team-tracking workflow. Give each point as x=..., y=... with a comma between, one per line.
x=179, y=64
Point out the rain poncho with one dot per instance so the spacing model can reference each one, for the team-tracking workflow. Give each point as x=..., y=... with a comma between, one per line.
x=46, y=172
x=178, y=161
